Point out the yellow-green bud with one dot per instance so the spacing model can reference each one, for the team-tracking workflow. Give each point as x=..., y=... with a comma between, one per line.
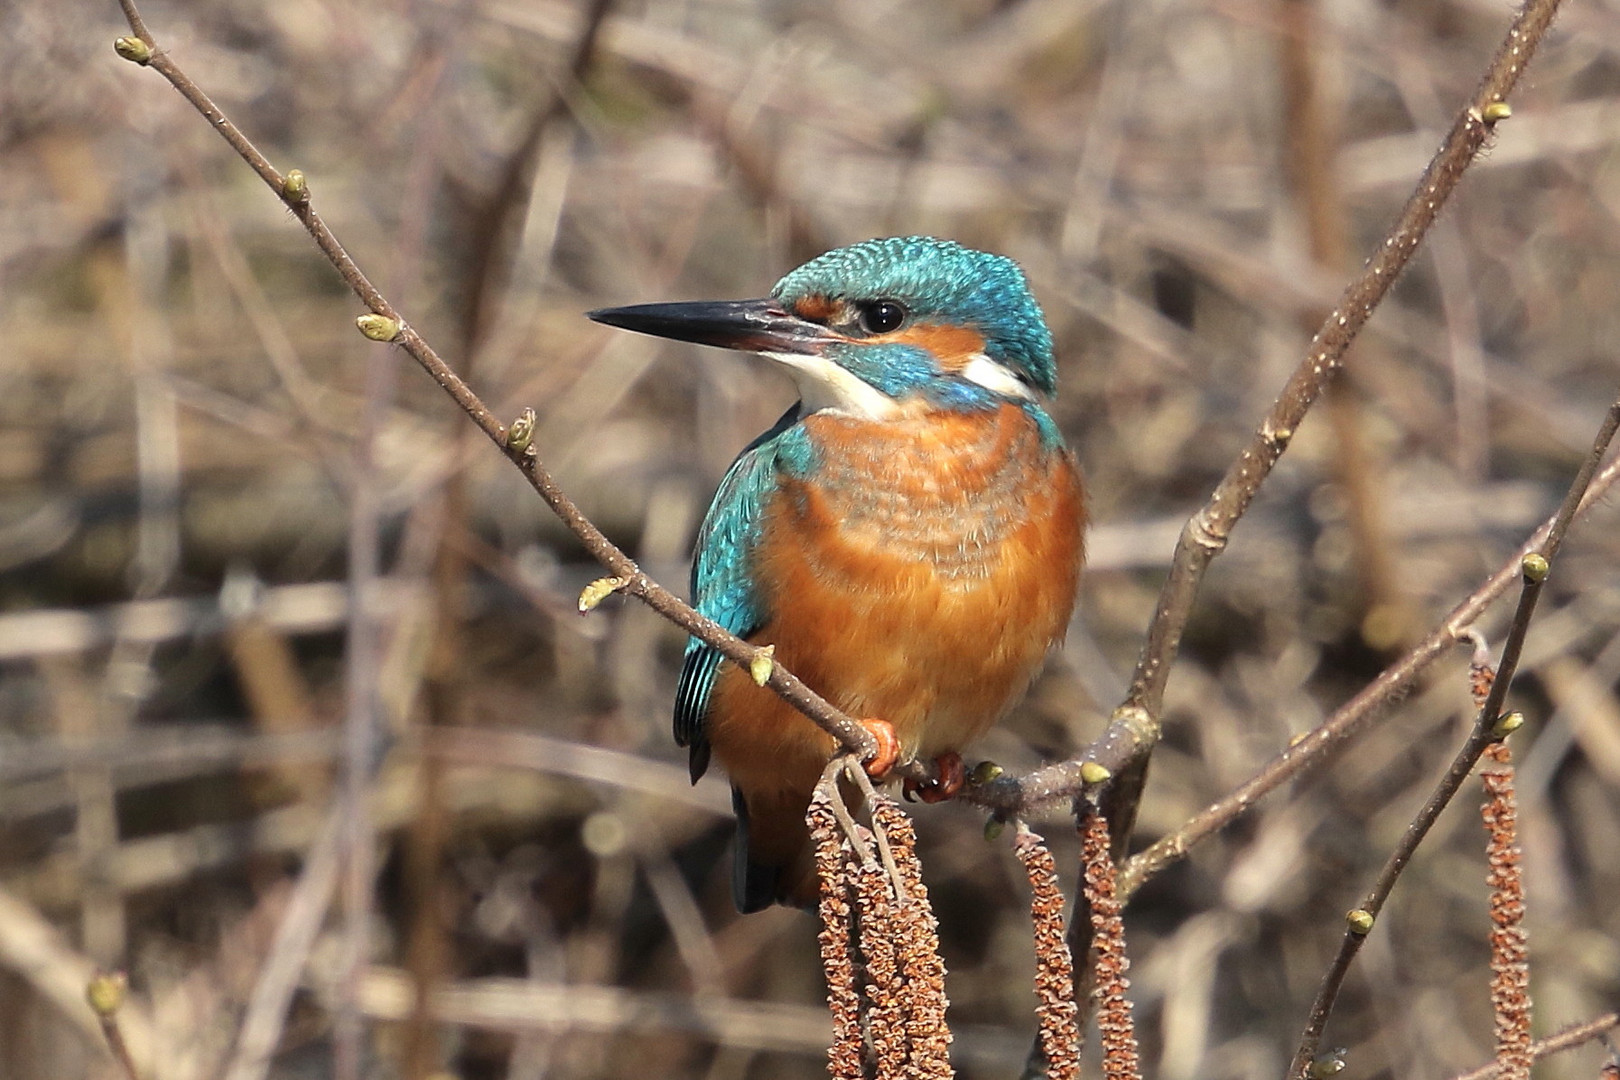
x=761, y=666
x=1535, y=567
x=1507, y=725
x=598, y=591
x=993, y=828
x=985, y=771
x=105, y=992
x=1329, y=1064
x=378, y=327
x=1093, y=773
x=1496, y=110
x=295, y=187
x=134, y=50
x=521, y=433
x=1360, y=920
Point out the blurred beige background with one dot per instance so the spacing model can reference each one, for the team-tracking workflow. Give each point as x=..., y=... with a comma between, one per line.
x=186, y=464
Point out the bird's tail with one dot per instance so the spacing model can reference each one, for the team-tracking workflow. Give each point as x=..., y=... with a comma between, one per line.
x=774, y=862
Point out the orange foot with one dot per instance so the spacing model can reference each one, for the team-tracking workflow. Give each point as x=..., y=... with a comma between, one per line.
x=952, y=776
x=887, y=755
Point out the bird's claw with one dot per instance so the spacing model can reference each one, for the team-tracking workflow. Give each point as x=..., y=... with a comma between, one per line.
x=952, y=778
x=887, y=754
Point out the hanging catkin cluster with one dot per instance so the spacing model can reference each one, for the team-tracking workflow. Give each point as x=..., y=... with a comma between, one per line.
x=879, y=944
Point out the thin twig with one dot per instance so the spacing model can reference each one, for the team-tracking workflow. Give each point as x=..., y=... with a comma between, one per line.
x=1534, y=566
x=1571, y=1037
x=1134, y=728
x=1351, y=719
x=632, y=580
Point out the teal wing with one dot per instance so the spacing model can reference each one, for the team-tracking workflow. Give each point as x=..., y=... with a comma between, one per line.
x=722, y=582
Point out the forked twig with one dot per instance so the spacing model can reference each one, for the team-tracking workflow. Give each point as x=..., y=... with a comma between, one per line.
x=1535, y=565
x=1351, y=718
x=1134, y=728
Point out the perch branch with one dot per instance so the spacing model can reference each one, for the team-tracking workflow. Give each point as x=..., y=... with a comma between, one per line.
x=1135, y=726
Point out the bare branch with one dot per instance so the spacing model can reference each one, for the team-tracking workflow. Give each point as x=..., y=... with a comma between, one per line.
x=294, y=193
x=1352, y=718
x=1134, y=728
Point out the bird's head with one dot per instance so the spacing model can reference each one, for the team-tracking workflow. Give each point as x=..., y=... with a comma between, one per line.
x=877, y=326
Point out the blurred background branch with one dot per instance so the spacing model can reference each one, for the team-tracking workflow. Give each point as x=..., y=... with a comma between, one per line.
x=1126, y=153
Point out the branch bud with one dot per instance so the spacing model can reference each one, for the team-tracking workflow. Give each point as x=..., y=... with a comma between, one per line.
x=134, y=50
x=378, y=327
x=1325, y=1065
x=521, y=433
x=598, y=591
x=1496, y=110
x=1535, y=567
x=295, y=187
x=1093, y=773
x=985, y=771
x=761, y=666
x=1507, y=725
x=1360, y=921
x=105, y=992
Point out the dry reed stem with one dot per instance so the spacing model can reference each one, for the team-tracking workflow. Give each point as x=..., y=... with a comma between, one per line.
x=1510, y=959
x=1055, y=1005
x=1115, y=1027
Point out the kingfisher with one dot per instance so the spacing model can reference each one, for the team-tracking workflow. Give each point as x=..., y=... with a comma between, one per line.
x=908, y=536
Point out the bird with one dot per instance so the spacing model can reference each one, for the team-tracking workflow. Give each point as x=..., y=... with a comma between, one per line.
x=908, y=536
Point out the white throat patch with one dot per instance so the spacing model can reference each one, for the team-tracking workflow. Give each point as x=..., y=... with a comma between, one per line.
x=996, y=377
x=824, y=385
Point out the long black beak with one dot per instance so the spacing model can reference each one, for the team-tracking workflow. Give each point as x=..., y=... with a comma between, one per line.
x=749, y=325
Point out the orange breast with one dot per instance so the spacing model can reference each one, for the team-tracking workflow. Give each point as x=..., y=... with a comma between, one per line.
x=918, y=577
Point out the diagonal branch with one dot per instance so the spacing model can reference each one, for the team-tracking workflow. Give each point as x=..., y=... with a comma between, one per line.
x=1535, y=566
x=293, y=191
x=1354, y=716
x=1134, y=728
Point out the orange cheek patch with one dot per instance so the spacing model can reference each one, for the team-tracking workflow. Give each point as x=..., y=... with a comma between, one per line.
x=819, y=309
x=952, y=346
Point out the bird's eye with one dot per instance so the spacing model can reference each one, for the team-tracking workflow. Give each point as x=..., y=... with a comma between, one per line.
x=882, y=316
